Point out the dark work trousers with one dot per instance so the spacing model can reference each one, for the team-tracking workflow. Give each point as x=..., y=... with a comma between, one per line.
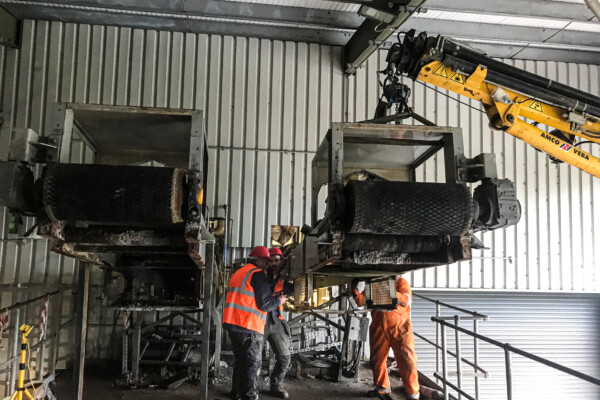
x=247, y=352
x=278, y=335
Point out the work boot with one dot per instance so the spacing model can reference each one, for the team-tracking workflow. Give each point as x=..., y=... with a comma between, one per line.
x=382, y=394
x=279, y=391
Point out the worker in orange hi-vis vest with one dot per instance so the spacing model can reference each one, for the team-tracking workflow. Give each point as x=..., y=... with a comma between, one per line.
x=277, y=331
x=249, y=299
x=391, y=329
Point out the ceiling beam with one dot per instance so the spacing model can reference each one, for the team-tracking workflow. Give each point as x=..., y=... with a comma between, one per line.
x=331, y=18
x=10, y=28
x=221, y=25
x=301, y=26
x=372, y=34
x=293, y=17
x=515, y=8
x=202, y=10
x=503, y=32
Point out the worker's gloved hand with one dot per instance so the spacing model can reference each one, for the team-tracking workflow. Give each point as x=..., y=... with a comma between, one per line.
x=357, y=286
x=282, y=299
x=360, y=286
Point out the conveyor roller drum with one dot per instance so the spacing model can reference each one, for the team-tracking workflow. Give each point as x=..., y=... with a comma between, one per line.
x=408, y=208
x=113, y=194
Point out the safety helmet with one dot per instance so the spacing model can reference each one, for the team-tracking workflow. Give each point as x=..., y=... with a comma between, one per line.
x=259, y=252
x=275, y=251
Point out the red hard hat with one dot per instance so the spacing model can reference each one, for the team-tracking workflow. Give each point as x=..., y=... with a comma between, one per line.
x=259, y=252
x=275, y=251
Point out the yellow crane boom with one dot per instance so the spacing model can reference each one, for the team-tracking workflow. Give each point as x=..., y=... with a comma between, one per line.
x=514, y=100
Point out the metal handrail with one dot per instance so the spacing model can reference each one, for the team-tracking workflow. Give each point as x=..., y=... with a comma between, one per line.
x=48, y=338
x=469, y=363
x=462, y=310
x=454, y=387
x=471, y=316
x=522, y=353
x=507, y=350
x=16, y=343
x=33, y=300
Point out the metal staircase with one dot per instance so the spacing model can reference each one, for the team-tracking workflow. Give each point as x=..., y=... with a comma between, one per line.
x=465, y=368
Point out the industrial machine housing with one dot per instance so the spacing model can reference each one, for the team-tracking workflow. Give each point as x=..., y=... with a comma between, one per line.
x=146, y=226
x=380, y=221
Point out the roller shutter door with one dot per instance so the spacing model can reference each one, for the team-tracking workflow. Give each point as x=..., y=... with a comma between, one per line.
x=561, y=327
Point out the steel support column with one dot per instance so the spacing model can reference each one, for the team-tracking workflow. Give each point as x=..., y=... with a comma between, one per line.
x=207, y=310
x=56, y=317
x=83, y=292
x=15, y=351
x=218, y=333
x=10, y=28
x=136, y=340
x=475, y=359
x=444, y=363
x=437, y=340
x=508, y=366
x=458, y=357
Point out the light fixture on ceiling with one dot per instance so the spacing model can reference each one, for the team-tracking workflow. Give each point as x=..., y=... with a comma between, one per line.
x=376, y=14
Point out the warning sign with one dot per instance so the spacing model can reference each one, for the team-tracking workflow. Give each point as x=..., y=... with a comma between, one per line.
x=441, y=71
x=536, y=105
x=460, y=78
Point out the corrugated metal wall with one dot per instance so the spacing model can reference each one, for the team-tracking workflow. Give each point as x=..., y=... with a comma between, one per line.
x=563, y=328
x=268, y=105
x=27, y=270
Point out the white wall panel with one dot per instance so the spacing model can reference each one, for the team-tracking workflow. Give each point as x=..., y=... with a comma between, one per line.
x=560, y=327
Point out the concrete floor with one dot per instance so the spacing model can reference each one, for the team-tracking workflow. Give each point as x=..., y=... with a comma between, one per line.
x=99, y=385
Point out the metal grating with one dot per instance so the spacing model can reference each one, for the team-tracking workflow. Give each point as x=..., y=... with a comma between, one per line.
x=380, y=292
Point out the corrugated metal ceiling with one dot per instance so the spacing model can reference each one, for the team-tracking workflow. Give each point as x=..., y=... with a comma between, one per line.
x=494, y=17
x=510, y=29
x=433, y=13
x=319, y=4
x=510, y=20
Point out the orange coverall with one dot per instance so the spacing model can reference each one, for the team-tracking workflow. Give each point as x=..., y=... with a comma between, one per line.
x=393, y=329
